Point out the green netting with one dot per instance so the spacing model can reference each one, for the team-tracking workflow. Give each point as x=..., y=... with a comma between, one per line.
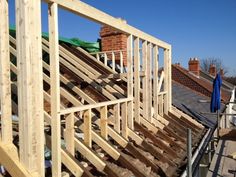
x=89, y=46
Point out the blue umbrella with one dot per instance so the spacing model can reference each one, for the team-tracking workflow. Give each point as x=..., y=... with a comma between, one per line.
x=216, y=97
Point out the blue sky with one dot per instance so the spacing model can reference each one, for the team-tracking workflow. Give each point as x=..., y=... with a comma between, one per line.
x=194, y=28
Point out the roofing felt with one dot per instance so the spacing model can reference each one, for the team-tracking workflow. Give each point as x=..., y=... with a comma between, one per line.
x=198, y=84
x=189, y=102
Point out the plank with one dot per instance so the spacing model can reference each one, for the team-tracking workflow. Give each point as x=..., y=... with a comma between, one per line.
x=69, y=133
x=136, y=80
x=145, y=99
x=124, y=114
x=90, y=155
x=103, y=122
x=87, y=127
x=166, y=81
x=116, y=109
x=130, y=81
x=5, y=88
x=82, y=9
x=149, y=81
x=55, y=89
x=12, y=163
x=155, y=80
x=29, y=76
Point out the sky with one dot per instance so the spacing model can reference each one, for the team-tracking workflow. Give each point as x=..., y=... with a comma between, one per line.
x=194, y=28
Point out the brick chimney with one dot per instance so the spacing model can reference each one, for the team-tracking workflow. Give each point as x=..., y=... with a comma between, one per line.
x=212, y=70
x=112, y=39
x=221, y=72
x=194, y=66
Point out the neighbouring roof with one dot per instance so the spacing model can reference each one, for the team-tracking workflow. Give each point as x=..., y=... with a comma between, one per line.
x=225, y=84
x=197, y=84
x=188, y=101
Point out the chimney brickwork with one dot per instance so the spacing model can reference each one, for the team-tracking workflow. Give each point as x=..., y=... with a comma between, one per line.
x=194, y=66
x=112, y=39
x=212, y=70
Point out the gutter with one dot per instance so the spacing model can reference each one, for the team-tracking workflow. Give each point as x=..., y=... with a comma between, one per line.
x=199, y=152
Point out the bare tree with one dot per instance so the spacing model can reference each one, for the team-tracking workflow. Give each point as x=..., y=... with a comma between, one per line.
x=207, y=62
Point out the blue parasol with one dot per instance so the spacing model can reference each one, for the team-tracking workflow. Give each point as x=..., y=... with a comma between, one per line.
x=216, y=97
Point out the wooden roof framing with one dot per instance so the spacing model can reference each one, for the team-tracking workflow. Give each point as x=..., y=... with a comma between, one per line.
x=115, y=117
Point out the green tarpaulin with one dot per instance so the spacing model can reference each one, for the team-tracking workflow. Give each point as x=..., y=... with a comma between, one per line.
x=89, y=46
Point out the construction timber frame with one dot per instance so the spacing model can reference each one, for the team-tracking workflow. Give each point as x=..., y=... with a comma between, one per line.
x=153, y=95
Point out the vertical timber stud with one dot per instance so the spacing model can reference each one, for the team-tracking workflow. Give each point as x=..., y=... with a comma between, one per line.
x=130, y=80
x=149, y=81
x=145, y=79
x=70, y=133
x=30, y=82
x=155, y=80
x=124, y=120
x=5, y=87
x=37, y=84
x=166, y=81
x=117, y=117
x=55, y=89
x=103, y=124
x=136, y=80
x=170, y=77
x=88, y=128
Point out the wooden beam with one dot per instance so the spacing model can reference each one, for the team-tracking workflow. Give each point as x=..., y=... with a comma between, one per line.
x=124, y=114
x=130, y=81
x=69, y=133
x=166, y=81
x=5, y=87
x=170, y=78
x=149, y=82
x=116, y=109
x=103, y=122
x=55, y=89
x=82, y=9
x=136, y=80
x=146, y=90
x=71, y=163
x=155, y=80
x=29, y=78
x=87, y=128
x=11, y=162
x=90, y=155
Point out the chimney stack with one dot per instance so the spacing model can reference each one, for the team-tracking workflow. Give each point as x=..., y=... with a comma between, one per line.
x=221, y=72
x=212, y=70
x=113, y=39
x=194, y=66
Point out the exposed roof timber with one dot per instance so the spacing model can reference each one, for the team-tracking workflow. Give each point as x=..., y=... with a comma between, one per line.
x=87, y=11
